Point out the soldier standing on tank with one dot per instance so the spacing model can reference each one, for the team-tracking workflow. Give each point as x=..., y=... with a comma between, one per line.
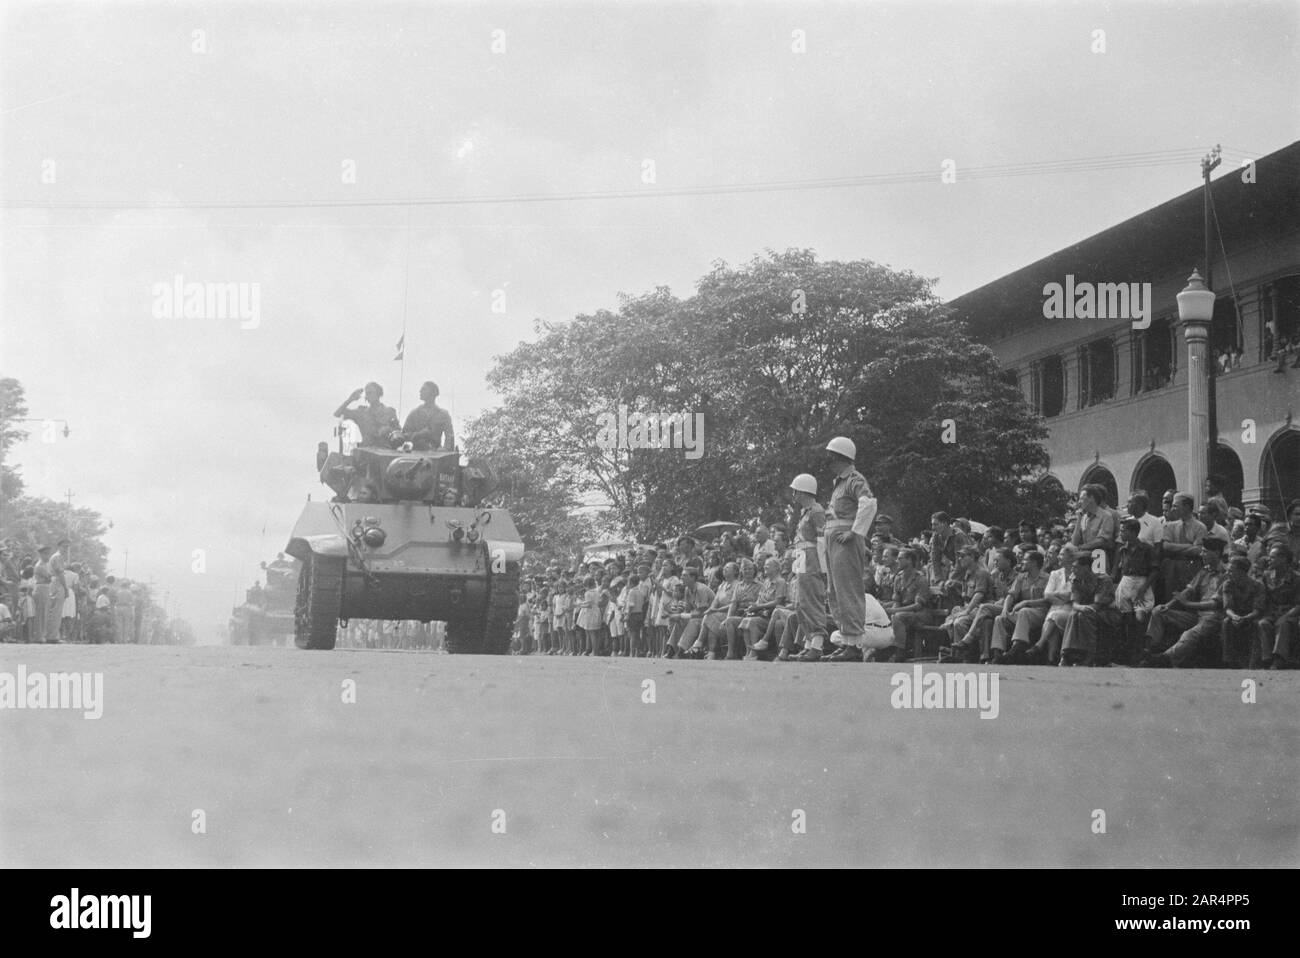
x=428, y=426
x=852, y=510
x=375, y=420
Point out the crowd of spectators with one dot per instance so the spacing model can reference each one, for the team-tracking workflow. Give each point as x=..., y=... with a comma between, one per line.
x=46, y=599
x=1185, y=587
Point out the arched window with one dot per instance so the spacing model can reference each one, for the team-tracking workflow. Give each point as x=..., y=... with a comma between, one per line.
x=1226, y=468
x=1155, y=477
x=1279, y=471
x=1103, y=477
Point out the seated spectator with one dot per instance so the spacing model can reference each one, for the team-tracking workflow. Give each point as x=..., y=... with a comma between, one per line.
x=1211, y=518
x=1286, y=532
x=1196, y=612
x=884, y=528
x=883, y=577
x=1092, y=598
x=1023, y=609
x=978, y=637
x=1150, y=525
x=945, y=542
x=1028, y=536
x=1034, y=613
x=764, y=546
x=1279, y=620
x=743, y=596
x=991, y=543
x=1052, y=557
x=976, y=585
x=1235, y=523
x=697, y=598
x=773, y=593
x=1138, y=568
x=1243, y=602
x=908, y=606
x=781, y=542
x=1251, y=542
x=1076, y=586
x=100, y=629
x=782, y=633
x=1180, y=544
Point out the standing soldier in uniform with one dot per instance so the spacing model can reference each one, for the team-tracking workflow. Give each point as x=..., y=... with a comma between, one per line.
x=41, y=596
x=375, y=420
x=428, y=426
x=810, y=605
x=852, y=510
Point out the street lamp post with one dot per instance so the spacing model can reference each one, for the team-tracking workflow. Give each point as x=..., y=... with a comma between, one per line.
x=1210, y=441
x=1195, y=310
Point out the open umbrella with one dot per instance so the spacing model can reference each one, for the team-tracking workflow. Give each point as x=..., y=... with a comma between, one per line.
x=609, y=545
x=715, y=528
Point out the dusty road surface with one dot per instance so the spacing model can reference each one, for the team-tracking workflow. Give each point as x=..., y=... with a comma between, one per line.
x=488, y=761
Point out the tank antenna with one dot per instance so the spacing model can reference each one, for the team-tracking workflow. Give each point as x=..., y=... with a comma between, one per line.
x=406, y=293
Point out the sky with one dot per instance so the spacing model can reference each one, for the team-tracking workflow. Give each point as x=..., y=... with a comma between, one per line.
x=136, y=140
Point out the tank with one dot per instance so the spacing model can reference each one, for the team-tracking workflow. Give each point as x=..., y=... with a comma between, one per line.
x=239, y=634
x=271, y=611
x=404, y=537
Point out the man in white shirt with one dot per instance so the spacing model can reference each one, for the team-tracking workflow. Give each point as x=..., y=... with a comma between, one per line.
x=1212, y=519
x=763, y=546
x=1151, y=526
x=1055, y=604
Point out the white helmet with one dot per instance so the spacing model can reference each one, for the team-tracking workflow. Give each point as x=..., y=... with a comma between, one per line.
x=844, y=447
x=804, y=483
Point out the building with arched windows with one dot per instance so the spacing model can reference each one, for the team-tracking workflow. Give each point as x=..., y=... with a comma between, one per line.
x=1116, y=395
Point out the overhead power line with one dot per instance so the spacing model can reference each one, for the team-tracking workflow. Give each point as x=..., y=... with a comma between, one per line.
x=1158, y=158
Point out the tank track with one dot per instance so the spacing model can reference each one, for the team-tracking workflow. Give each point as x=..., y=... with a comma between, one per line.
x=503, y=610
x=320, y=597
x=492, y=635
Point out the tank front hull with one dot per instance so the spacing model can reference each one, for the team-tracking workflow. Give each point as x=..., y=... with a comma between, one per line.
x=418, y=596
x=421, y=572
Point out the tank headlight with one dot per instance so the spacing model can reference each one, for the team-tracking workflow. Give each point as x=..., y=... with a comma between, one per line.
x=375, y=537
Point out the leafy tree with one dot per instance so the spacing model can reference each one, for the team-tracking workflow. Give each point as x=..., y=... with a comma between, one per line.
x=13, y=406
x=779, y=355
x=542, y=508
x=31, y=522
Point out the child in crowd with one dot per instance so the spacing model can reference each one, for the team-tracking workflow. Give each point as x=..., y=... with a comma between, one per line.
x=588, y=621
x=614, y=618
x=635, y=601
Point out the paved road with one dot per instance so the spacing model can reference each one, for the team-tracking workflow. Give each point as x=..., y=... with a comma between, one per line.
x=587, y=774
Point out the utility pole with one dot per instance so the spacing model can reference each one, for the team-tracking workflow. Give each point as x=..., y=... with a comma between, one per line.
x=1208, y=164
x=68, y=557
